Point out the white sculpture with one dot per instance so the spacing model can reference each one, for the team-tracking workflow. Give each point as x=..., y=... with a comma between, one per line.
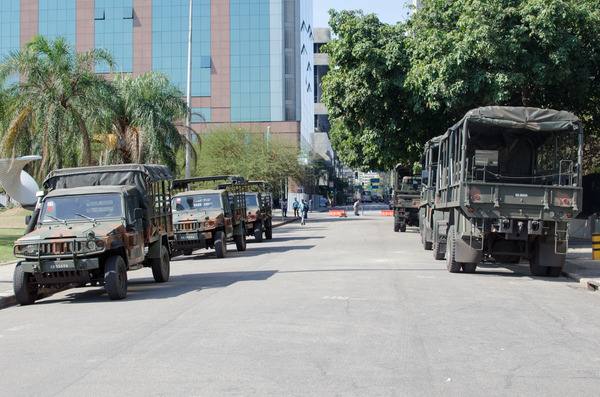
x=17, y=183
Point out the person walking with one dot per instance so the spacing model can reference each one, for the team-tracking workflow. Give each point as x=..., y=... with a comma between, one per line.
x=356, y=207
x=284, y=208
x=296, y=205
x=303, y=211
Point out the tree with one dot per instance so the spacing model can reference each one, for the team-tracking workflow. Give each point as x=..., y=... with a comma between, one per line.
x=232, y=151
x=143, y=117
x=392, y=88
x=50, y=104
x=470, y=53
x=369, y=107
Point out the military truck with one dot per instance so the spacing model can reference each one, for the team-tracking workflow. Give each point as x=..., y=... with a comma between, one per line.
x=259, y=211
x=209, y=218
x=92, y=226
x=509, y=183
x=428, y=218
x=405, y=198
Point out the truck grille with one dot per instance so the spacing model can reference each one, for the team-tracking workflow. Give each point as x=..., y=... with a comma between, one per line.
x=187, y=226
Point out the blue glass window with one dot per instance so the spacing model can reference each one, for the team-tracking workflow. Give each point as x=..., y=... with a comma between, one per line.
x=250, y=60
x=58, y=18
x=114, y=32
x=170, y=24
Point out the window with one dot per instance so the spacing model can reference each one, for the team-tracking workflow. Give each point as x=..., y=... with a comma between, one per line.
x=99, y=14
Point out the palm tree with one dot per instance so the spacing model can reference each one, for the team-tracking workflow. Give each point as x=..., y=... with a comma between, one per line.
x=48, y=107
x=144, y=117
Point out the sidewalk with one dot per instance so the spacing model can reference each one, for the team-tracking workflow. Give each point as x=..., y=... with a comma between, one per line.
x=579, y=266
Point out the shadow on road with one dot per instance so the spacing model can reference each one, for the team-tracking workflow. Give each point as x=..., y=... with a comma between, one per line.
x=146, y=288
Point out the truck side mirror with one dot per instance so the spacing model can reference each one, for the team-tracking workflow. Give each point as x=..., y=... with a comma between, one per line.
x=27, y=219
x=138, y=213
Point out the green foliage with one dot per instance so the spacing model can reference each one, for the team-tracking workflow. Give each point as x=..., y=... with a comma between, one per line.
x=232, y=151
x=393, y=87
x=49, y=106
x=142, y=116
x=364, y=92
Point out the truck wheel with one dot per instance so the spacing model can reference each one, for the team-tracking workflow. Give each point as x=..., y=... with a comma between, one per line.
x=220, y=245
x=396, y=227
x=240, y=241
x=25, y=290
x=534, y=263
x=269, y=230
x=469, y=267
x=258, y=236
x=438, y=251
x=161, y=267
x=403, y=227
x=427, y=245
x=451, y=264
x=554, y=271
x=115, y=277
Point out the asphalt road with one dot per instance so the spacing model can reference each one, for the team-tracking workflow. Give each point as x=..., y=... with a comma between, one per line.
x=336, y=307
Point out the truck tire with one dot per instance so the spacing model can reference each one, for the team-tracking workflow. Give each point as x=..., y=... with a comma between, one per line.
x=396, y=227
x=542, y=271
x=269, y=230
x=240, y=241
x=451, y=264
x=220, y=244
x=469, y=267
x=258, y=234
x=25, y=291
x=438, y=251
x=161, y=267
x=115, y=277
x=402, y=227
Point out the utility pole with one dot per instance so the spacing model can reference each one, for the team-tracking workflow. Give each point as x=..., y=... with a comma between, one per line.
x=188, y=121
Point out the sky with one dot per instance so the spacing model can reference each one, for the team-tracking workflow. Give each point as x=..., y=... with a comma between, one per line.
x=388, y=11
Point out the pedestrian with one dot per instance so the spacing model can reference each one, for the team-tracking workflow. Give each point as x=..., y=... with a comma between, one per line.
x=310, y=205
x=356, y=207
x=303, y=211
x=296, y=205
x=284, y=207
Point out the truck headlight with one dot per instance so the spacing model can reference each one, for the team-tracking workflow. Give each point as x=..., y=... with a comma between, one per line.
x=91, y=245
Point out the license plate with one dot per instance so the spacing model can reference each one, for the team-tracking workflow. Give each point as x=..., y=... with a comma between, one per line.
x=188, y=236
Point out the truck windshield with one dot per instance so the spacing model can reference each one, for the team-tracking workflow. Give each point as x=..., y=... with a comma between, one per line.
x=197, y=202
x=251, y=201
x=81, y=208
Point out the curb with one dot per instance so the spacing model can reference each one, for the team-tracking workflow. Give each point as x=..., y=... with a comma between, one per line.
x=591, y=284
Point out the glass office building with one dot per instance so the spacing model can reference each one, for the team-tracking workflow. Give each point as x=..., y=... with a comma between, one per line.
x=252, y=60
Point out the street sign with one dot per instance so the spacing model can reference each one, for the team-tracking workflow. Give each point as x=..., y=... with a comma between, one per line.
x=300, y=187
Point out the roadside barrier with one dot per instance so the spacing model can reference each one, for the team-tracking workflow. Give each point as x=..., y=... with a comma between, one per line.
x=595, y=245
x=387, y=213
x=341, y=213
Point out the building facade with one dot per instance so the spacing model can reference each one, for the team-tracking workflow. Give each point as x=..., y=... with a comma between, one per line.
x=252, y=60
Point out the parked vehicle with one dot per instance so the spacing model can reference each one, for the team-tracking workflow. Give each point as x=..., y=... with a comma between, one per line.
x=406, y=198
x=92, y=226
x=209, y=218
x=259, y=218
x=508, y=181
x=430, y=220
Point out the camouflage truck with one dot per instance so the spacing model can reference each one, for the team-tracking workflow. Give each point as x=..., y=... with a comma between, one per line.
x=209, y=218
x=92, y=226
x=259, y=210
x=405, y=198
x=509, y=183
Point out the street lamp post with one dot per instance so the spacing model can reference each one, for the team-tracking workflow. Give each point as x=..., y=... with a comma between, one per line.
x=188, y=121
